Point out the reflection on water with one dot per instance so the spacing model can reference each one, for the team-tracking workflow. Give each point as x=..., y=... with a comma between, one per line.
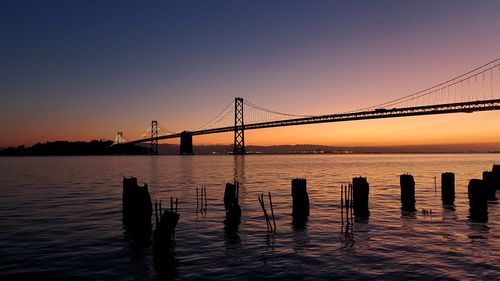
x=478, y=231
x=63, y=215
x=239, y=169
x=301, y=239
x=231, y=236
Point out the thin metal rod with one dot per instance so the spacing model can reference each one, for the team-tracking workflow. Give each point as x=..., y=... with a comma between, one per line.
x=272, y=210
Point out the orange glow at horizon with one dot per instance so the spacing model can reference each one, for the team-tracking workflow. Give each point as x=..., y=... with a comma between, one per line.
x=461, y=128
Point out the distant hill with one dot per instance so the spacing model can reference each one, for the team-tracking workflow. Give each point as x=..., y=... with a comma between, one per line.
x=59, y=148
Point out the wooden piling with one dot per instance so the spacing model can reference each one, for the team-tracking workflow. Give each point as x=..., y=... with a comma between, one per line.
x=489, y=184
x=407, y=193
x=360, y=190
x=496, y=175
x=448, y=188
x=137, y=209
x=233, y=210
x=300, y=199
x=478, y=200
x=164, y=234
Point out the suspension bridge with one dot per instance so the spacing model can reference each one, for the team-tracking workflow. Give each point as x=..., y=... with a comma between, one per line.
x=475, y=90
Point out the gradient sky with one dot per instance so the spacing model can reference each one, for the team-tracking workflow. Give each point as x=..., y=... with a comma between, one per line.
x=81, y=70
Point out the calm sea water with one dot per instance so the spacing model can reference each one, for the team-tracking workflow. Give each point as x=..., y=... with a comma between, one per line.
x=60, y=218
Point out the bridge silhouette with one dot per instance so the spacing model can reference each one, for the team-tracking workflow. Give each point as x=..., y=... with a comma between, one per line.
x=475, y=90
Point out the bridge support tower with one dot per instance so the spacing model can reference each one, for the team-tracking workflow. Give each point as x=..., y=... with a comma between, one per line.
x=186, y=147
x=154, y=137
x=119, y=139
x=239, y=131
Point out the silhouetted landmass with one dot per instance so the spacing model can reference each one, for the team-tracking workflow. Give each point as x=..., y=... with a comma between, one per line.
x=59, y=148
x=102, y=147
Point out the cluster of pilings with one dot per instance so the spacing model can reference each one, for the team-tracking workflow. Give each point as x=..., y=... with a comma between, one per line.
x=137, y=210
x=137, y=207
x=479, y=192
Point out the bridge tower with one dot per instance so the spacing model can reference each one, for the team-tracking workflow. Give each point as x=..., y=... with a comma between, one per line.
x=239, y=130
x=154, y=137
x=119, y=139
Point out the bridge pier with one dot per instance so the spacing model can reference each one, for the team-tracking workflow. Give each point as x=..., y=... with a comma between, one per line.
x=186, y=147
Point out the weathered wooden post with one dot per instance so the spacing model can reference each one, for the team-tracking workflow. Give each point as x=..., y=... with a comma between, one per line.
x=407, y=193
x=361, y=190
x=448, y=188
x=136, y=209
x=478, y=200
x=300, y=199
x=164, y=237
x=496, y=175
x=489, y=184
x=233, y=210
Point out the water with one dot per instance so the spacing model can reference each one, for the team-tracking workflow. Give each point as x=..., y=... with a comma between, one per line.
x=60, y=218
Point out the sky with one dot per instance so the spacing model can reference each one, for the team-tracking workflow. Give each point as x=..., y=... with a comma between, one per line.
x=82, y=70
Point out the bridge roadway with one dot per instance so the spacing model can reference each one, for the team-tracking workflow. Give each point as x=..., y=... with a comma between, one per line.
x=462, y=107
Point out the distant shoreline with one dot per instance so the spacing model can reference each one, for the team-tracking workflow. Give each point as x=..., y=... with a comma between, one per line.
x=106, y=147
x=248, y=154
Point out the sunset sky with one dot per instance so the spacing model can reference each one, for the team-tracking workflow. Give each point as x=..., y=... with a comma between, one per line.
x=82, y=70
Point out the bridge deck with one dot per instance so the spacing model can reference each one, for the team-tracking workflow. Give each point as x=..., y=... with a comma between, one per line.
x=463, y=107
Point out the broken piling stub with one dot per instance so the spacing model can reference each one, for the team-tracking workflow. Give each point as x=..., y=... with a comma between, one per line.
x=448, y=188
x=478, y=200
x=164, y=234
x=360, y=190
x=136, y=209
x=407, y=193
x=233, y=210
x=496, y=175
x=489, y=184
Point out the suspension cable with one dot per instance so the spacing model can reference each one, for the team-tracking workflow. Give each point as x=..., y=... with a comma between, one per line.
x=223, y=113
x=425, y=91
x=272, y=111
